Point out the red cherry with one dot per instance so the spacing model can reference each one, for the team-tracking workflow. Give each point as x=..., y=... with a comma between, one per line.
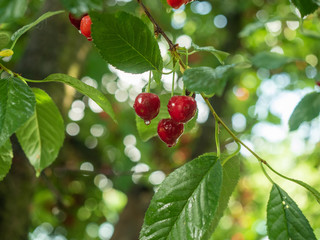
x=318, y=83
x=147, y=106
x=176, y=3
x=85, y=27
x=169, y=131
x=75, y=21
x=182, y=108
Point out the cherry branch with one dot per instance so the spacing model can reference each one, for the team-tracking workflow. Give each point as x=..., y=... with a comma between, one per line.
x=158, y=30
x=54, y=191
x=176, y=55
x=2, y=67
x=230, y=132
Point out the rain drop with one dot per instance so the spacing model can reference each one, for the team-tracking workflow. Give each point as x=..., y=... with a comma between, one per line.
x=147, y=122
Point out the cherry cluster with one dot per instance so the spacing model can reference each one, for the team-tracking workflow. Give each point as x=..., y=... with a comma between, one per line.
x=177, y=3
x=83, y=24
x=180, y=108
x=147, y=105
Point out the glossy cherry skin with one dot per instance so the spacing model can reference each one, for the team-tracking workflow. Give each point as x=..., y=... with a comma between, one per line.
x=75, y=21
x=147, y=106
x=169, y=131
x=182, y=108
x=176, y=3
x=318, y=83
x=85, y=27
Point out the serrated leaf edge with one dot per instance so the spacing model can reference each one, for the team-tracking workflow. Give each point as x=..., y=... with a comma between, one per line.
x=217, y=161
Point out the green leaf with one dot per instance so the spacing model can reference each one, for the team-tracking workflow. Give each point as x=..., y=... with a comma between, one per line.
x=126, y=42
x=12, y=9
x=41, y=137
x=6, y=156
x=85, y=89
x=185, y=204
x=79, y=7
x=26, y=28
x=305, y=6
x=16, y=99
x=148, y=131
x=4, y=39
x=317, y=2
x=205, y=79
x=220, y=55
x=306, y=110
x=270, y=60
x=251, y=28
x=231, y=174
x=284, y=218
x=157, y=76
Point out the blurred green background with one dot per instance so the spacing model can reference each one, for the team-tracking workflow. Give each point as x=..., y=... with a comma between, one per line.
x=105, y=176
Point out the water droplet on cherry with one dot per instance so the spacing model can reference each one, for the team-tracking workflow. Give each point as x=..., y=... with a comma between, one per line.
x=147, y=122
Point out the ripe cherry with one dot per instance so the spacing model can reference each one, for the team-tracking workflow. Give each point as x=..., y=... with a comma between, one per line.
x=85, y=27
x=318, y=83
x=176, y=3
x=75, y=21
x=169, y=131
x=147, y=106
x=182, y=108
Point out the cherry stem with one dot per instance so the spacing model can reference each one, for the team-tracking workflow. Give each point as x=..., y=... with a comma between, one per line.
x=167, y=73
x=187, y=63
x=149, y=83
x=7, y=70
x=232, y=154
x=266, y=174
x=173, y=73
x=3, y=68
x=229, y=131
x=187, y=57
x=183, y=90
x=216, y=133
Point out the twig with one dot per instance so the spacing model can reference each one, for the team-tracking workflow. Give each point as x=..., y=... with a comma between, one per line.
x=54, y=191
x=157, y=28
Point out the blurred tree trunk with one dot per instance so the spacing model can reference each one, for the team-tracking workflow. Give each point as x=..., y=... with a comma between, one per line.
x=49, y=50
x=15, y=197
x=131, y=219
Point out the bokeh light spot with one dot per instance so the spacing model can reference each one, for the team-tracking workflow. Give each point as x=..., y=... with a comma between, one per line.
x=72, y=129
x=157, y=177
x=220, y=21
x=106, y=231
